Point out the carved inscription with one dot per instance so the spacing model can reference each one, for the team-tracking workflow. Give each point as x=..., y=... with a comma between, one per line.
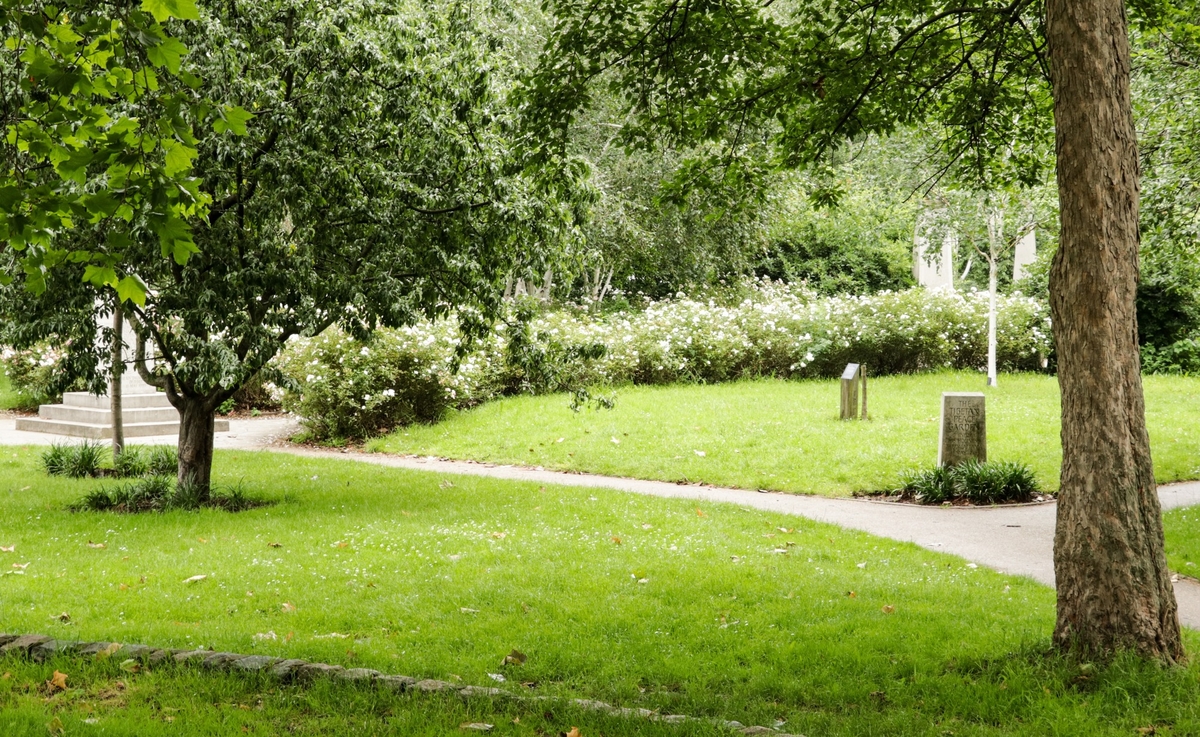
x=964, y=429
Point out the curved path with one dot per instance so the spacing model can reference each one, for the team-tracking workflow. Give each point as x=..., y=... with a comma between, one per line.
x=1012, y=539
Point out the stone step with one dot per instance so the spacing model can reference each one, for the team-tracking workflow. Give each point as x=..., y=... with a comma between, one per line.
x=130, y=401
x=103, y=432
x=93, y=416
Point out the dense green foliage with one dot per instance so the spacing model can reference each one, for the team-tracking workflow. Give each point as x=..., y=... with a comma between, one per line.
x=379, y=182
x=1166, y=88
x=100, y=126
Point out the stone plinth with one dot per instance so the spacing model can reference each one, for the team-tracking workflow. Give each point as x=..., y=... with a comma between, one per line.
x=963, y=434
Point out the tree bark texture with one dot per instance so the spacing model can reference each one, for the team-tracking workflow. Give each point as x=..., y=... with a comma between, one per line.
x=195, y=440
x=115, y=392
x=1114, y=589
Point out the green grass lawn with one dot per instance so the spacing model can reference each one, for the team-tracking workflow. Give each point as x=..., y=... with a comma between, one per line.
x=785, y=435
x=9, y=398
x=1181, y=527
x=715, y=611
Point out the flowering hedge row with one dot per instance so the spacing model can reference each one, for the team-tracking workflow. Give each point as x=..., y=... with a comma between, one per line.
x=33, y=372
x=347, y=389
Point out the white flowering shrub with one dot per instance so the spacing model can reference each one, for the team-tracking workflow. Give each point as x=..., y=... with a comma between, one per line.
x=777, y=330
x=34, y=372
x=350, y=390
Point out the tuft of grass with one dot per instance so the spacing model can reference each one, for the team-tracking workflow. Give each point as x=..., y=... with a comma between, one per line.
x=973, y=481
x=73, y=460
x=786, y=435
x=132, y=462
x=161, y=493
x=162, y=460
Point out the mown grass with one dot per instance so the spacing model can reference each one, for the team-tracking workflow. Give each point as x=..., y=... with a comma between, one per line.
x=10, y=398
x=785, y=435
x=102, y=699
x=712, y=611
x=1181, y=527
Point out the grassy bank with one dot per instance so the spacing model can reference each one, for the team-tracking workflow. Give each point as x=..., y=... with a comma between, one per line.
x=785, y=435
x=716, y=611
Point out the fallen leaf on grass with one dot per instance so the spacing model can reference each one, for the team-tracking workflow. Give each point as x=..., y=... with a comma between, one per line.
x=98, y=546
x=201, y=539
x=476, y=726
x=58, y=682
x=616, y=540
x=9, y=549
x=108, y=651
x=499, y=535
x=851, y=594
x=615, y=441
x=195, y=579
x=274, y=545
x=468, y=610
x=343, y=544
x=516, y=657
x=573, y=733
x=25, y=488
x=888, y=609
x=22, y=566
x=130, y=666
x=7, y=675
x=64, y=617
x=123, y=587
x=446, y=484
x=700, y=512
x=288, y=607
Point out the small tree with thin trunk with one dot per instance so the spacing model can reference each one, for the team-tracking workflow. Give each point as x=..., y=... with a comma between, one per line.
x=377, y=183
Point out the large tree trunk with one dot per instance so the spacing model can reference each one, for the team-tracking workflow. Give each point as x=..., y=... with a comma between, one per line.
x=1114, y=589
x=195, y=440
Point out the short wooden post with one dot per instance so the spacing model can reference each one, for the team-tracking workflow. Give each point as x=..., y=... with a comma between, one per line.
x=862, y=374
x=850, y=392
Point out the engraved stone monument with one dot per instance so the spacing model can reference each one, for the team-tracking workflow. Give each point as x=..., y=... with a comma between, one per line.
x=963, y=434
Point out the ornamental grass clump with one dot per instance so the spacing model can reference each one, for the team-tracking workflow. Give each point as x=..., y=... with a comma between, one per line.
x=162, y=494
x=977, y=482
x=73, y=460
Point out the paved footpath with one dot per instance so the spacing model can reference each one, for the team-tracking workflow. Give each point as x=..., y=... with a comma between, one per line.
x=1012, y=539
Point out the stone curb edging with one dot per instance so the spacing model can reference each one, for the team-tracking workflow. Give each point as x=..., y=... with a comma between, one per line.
x=41, y=648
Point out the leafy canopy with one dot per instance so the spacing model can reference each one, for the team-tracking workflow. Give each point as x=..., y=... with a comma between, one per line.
x=796, y=79
x=95, y=138
x=377, y=182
